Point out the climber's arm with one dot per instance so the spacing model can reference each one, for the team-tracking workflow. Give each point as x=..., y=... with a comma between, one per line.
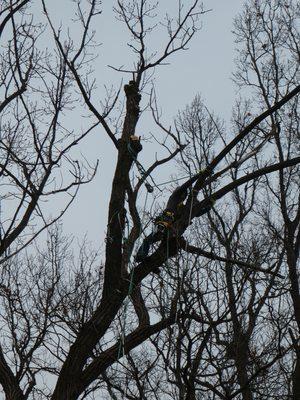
x=180, y=193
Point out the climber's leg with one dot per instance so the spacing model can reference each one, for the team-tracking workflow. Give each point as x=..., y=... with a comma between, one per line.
x=143, y=251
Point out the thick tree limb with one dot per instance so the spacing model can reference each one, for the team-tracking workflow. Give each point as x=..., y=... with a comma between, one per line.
x=238, y=182
x=110, y=356
x=212, y=256
x=9, y=382
x=140, y=307
x=242, y=134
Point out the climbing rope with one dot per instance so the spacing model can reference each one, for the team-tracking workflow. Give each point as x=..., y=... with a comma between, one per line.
x=180, y=179
x=121, y=349
x=183, y=269
x=141, y=169
x=173, y=180
x=164, y=221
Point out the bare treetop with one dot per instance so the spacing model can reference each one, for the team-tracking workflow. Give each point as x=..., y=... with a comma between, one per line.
x=194, y=296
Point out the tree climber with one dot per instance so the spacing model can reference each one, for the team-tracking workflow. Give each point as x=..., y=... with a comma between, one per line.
x=164, y=222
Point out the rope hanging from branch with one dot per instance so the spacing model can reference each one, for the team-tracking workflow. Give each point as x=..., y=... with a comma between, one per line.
x=134, y=146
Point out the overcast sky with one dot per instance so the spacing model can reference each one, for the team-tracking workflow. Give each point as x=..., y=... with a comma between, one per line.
x=205, y=68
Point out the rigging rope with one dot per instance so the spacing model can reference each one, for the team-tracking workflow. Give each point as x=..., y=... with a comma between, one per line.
x=183, y=269
x=121, y=350
x=141, y=169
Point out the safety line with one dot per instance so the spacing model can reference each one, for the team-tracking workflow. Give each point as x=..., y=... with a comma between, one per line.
x=123, y=317
x=183, y=270
x=141, y=170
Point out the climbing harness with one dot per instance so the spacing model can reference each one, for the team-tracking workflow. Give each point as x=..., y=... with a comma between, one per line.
x=165, y=220
x=163, y=224
x=174, y=209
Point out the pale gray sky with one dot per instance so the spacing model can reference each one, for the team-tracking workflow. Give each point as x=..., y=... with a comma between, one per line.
x=205, y=68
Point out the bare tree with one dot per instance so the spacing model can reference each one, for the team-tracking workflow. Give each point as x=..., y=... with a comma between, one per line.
x=272, y=57
x=253, y=353
x=36, y=146
x=180, y=322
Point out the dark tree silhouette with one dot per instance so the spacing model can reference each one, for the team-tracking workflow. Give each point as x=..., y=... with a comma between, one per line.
x=213, y=310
